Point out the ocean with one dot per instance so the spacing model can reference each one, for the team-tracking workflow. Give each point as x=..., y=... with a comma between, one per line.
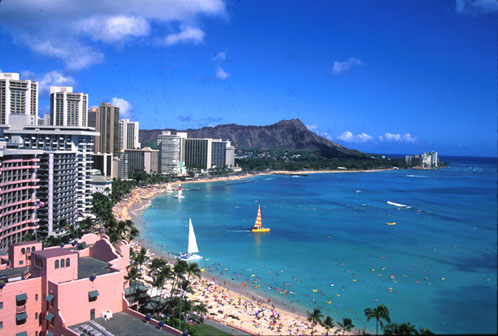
x=330, y=245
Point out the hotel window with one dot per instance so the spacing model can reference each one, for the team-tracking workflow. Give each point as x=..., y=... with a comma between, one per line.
x=67, y=262
x=21, y=262
x=62, y=263
x=1, y=305
x=36, y=297
x=57, y=264
x=23, y=250
x=1, y=325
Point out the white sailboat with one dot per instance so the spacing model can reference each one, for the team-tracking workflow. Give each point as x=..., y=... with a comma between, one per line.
x=192, y=249
x=179, y=195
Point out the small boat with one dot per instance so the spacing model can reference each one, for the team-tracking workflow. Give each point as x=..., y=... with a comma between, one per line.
x=179, y=195
x=258, y=228
x=168, y=189
x=192, y=248
x=391, y=223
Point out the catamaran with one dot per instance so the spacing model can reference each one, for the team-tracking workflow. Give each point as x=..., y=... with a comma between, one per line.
x=258, y=228
x=192, y=245
x=179, y=195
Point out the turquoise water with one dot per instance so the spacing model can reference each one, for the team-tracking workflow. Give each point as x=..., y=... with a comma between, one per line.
x=330, y=246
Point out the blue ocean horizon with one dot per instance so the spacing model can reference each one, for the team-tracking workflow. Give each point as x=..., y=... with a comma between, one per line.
x=330, y=245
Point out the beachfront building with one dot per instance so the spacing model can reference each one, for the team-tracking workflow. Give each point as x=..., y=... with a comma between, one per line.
x=57, y=193
x=68, y=108
x=48, y=290
x=100, y=184
x=103, y=162
x=426, y=160
x=45, y=120
x=78, y=140
x=120, y=166
x=18, y=97
x=145, y=159
x=222, y=154
x=69, y=290
x=172, y=152
x=18, y=190
x=128, y=134
x=198, y=153
x=108, y=128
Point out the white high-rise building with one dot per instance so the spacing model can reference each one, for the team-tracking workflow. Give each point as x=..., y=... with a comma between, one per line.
x=128, y=134
x=18, y=97
x=171, y=152
x=68, y=108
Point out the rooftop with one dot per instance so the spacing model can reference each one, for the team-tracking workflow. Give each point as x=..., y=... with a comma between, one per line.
x=88, y=265
x=120, y=324
x=10, y=273
x=54, y=252
x=31, y=242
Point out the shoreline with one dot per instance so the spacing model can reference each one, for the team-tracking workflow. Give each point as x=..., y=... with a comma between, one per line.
x=218, y=292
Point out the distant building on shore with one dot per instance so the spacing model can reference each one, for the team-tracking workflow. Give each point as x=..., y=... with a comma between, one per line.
x=171, y=152
x=145, y=159
x=18, y=97
x=68, y=108
x=426, y=160
x=128, y=134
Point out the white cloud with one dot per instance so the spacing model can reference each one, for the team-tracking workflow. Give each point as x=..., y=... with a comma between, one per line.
x=115, y=28
x=476, y=6
x=61, y=30
x=348, y=136
x=222, y=74
x=220, y=56
x=75, y=55
x=312, y=127
x=188, y=34
x=51, y=78
x=407, y=137
x=124, y=107
x=346, y=65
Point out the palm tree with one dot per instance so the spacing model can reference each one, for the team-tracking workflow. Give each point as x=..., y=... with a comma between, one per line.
x=155, y=266
x=133, y=276
x=380, y=313
x=407, y=329
x=193, y=270
x=179, y=270
x=424, y=331
x=315, y=317
x=328, y=324
x=345, y=326
x=158, y=282
x=140, y=257
x=391, y=329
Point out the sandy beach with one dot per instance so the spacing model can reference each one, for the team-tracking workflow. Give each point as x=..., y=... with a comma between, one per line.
x=227, y=303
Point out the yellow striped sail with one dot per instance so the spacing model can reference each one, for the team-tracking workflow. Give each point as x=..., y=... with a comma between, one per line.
x=258, y=224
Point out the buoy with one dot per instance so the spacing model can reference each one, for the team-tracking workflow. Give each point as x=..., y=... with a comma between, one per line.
x=202, y=269
x=442, y=278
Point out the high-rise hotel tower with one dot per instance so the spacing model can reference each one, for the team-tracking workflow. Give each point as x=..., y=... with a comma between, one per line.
x=68, y=108
x=18, y=97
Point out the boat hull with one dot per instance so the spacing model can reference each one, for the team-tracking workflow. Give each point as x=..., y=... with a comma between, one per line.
x=190, y=257
x=260, y=230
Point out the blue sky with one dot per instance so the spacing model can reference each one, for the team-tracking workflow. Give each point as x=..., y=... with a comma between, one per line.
x=378, y=76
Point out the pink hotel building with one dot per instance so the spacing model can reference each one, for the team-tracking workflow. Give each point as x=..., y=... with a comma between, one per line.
x=44, y=292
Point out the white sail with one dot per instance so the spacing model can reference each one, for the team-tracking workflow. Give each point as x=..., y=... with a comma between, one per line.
x=192, y=242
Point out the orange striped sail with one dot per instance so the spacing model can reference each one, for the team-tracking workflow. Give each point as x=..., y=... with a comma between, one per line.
x=257, y=228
